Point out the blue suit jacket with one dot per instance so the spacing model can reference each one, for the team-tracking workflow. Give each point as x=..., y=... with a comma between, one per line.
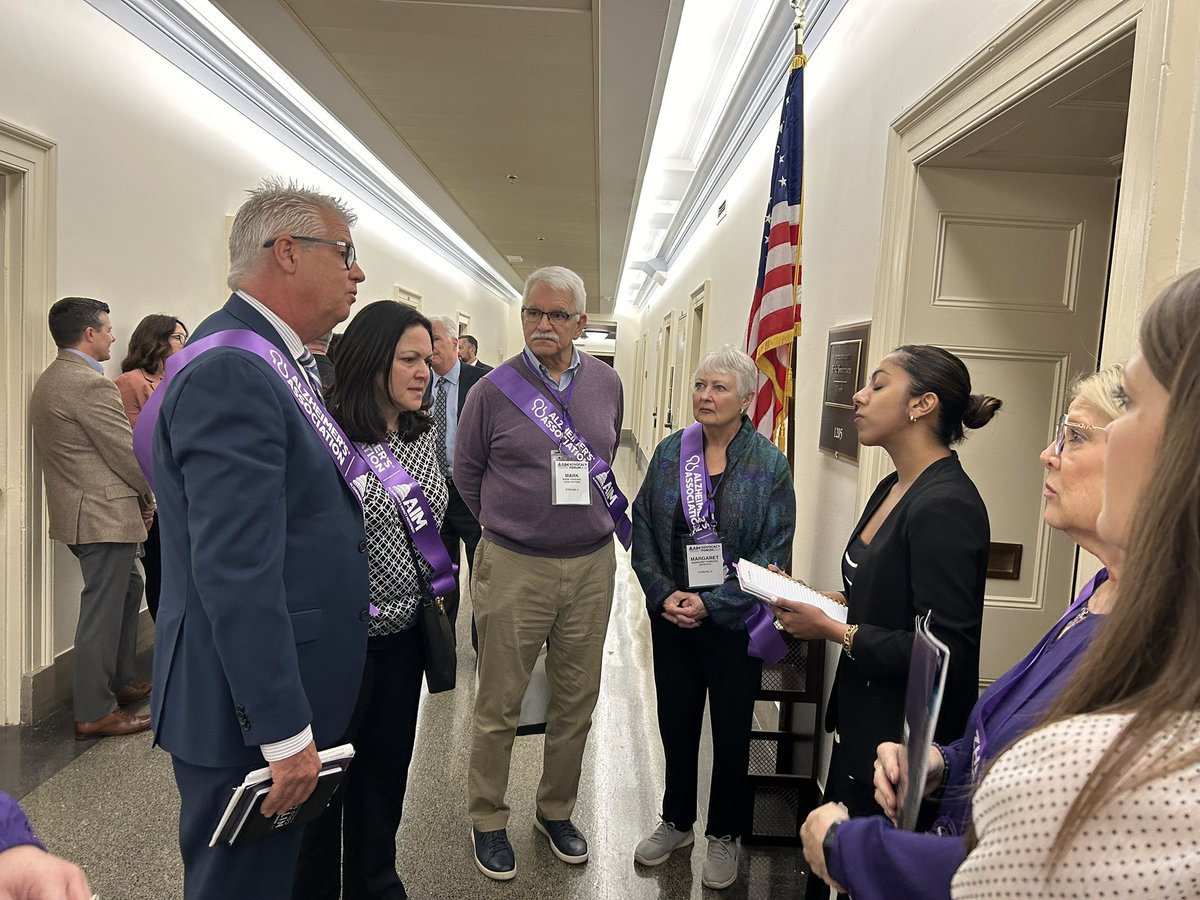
x=262, y=622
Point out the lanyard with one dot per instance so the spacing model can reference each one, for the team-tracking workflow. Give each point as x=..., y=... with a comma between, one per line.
x=352, y=461
x=563, y=397
x=992, y=701
x=532, y=403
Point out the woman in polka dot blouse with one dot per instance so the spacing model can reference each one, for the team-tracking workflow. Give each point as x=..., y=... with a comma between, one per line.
x=1105, y=799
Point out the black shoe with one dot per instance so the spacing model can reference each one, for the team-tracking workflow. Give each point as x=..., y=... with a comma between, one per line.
x=494, y=854
x=565, y=840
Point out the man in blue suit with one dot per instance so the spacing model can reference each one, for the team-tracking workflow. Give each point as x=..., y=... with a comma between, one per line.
x=262, y=625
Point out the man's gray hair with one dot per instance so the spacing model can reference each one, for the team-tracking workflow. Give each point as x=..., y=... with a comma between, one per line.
x=560, y=279
x=730, y=360
x=446, y=322
x=275, y=208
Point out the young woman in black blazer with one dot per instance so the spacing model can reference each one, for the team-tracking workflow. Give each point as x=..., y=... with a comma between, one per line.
x=921, y=546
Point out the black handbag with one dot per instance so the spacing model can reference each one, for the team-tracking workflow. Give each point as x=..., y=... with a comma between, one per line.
x=437, y=634
x=441, y=653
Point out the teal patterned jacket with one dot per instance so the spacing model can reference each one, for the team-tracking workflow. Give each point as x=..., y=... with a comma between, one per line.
x=756, y=518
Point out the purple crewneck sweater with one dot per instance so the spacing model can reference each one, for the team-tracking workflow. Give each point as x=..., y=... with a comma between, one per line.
x=502, y=463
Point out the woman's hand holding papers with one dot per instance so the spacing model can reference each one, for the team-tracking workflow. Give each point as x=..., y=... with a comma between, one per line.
x=812, y=833
x=887, y=776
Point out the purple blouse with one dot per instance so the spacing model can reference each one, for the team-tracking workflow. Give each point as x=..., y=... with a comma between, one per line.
x=874, y=860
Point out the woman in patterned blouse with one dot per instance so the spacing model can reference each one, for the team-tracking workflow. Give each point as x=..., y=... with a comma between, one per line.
x=377, y=396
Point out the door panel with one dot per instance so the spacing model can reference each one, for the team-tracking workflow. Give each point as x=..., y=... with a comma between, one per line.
x=1008, y=271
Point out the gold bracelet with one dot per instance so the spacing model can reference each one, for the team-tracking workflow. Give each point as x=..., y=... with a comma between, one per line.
x=848, y=640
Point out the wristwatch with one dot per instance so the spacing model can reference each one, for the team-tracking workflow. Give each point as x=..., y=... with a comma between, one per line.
x=827, y=843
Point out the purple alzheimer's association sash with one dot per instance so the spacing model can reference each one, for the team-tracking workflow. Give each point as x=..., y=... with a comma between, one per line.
x=699, y=509
x=353, y=461
x=543, y=414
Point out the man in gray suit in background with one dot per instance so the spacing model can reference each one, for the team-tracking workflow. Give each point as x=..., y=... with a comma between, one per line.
x=100, y=505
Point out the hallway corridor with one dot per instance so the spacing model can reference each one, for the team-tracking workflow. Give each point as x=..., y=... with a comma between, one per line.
x=113, y=809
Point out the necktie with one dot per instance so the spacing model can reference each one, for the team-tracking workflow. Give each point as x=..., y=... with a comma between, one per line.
x=309, y=363
x=439, y=419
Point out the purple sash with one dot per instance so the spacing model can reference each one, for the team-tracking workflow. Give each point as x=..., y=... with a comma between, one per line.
x=542, y=413
x=990, y=702
x=699, y=509
x=352, y=461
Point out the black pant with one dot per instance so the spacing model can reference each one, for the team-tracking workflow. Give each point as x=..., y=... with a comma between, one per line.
x=152, y=566
x=366, y=816
x=460, y=523
x=691, y=665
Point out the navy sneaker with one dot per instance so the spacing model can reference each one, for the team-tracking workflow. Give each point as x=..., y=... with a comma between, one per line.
x=565, y=840
x=494, y=854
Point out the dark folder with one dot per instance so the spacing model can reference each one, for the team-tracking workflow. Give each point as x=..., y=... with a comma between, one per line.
x=243, y=820
x=922, y=703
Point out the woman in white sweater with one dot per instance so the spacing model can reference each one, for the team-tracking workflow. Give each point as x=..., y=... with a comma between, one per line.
x=1104, y=800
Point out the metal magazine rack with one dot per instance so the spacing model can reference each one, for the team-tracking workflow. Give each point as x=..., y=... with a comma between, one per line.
x=782, y=784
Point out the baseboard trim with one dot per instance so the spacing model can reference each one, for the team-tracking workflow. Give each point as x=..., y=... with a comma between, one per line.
x=49, y=688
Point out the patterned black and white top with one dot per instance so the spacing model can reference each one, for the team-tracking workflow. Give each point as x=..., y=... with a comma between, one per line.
x=395, y=588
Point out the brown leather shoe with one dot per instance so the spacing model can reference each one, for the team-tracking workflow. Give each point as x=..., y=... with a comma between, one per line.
x=116, y=723
x=132, y=693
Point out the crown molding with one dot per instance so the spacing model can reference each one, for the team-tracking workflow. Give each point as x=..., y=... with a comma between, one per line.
x=173, y=31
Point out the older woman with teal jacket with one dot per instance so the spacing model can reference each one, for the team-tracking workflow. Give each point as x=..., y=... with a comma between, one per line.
x=715, y=492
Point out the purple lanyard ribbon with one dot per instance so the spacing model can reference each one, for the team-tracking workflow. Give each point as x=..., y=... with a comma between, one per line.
x=979, y=745
x=542, y=413
x=699, y=509
x=353, y=462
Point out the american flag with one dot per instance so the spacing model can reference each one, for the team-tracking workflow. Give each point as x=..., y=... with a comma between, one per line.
x=775, y=314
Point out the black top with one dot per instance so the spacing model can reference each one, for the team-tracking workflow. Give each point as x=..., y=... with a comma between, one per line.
x=929, y=555
x=850, y=560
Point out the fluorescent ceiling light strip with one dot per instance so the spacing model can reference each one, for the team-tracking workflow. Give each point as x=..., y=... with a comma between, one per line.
x=250, y=54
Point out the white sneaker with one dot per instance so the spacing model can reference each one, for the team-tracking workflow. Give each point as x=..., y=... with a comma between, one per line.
x=666, y=838
x=721, y=863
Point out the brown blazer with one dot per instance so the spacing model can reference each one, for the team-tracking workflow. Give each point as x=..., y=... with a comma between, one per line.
x=95, y=489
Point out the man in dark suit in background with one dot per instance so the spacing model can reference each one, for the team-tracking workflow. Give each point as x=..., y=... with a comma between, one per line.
x=452, y=379
x=262, y=625
x=468, y=352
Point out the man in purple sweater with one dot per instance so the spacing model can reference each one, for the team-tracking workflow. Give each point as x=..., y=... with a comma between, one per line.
x=545, y=566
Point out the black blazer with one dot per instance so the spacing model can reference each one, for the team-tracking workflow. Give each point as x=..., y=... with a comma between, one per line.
x=468, y=376
x=930, y=554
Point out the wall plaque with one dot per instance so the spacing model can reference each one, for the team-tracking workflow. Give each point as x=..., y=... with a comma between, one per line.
x=845, y=373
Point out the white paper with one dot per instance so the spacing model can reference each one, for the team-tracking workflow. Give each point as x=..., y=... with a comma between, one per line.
x=762, y=582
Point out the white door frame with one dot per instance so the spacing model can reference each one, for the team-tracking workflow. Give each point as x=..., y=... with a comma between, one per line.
x=1150, y=247
x=29, y=163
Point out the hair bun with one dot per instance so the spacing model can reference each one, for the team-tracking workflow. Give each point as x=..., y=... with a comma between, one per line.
x=980, y=409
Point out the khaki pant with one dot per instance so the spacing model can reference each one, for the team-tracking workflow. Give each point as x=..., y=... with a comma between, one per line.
x=520, y=602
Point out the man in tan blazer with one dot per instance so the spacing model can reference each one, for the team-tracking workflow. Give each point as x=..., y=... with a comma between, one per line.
x=99, y=504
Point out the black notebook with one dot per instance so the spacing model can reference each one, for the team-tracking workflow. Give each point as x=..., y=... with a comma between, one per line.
x=243, y=820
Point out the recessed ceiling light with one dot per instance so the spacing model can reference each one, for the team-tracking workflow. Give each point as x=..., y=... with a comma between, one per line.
x=514, y=259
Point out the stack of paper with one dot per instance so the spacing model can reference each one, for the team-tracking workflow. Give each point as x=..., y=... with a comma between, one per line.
x=760, y=582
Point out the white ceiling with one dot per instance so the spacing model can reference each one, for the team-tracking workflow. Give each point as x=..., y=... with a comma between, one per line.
x=561, y=94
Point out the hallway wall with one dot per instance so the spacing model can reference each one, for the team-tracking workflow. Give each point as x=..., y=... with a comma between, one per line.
x=875, y=61
x=149, y=165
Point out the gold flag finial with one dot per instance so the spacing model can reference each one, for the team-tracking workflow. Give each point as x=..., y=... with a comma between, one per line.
x=798, y=6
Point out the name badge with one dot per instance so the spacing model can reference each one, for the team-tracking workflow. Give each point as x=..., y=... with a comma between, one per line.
x=570, y=484
x=705, y=565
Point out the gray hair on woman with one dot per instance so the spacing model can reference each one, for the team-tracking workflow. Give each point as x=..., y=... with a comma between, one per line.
x=730, y=360
x=278, y=207
x=559, y=279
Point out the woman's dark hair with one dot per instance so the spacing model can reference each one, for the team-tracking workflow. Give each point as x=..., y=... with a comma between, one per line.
x=933, y=370
x=364, y=356
x=150, y=343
